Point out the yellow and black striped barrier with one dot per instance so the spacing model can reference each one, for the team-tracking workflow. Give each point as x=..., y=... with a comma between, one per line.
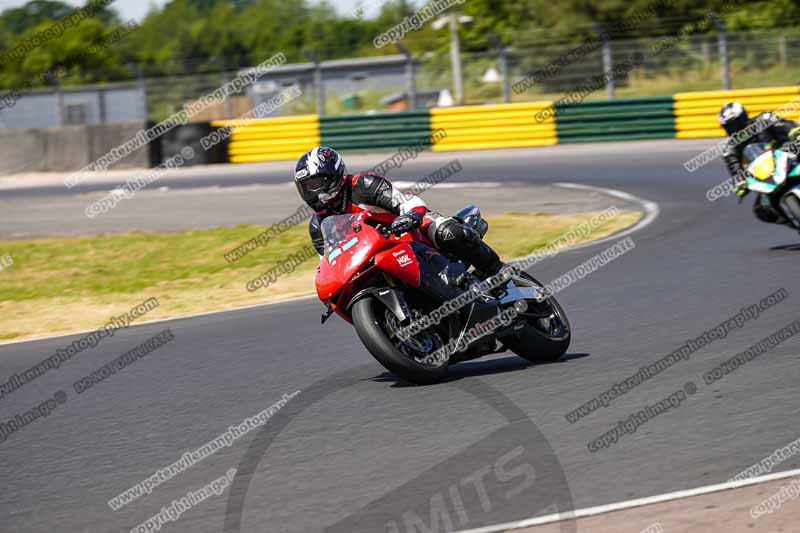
x=271, y=139
x=495, y=126
x=696, y=112
x=527, y=124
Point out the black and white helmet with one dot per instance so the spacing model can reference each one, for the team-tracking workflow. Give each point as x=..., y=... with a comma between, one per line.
x=733, y=117
x=320, y=177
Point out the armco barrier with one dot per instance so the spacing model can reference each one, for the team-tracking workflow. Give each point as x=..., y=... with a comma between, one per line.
x=696, y=112
x=494, y=126
x=616, y=120
x=271, y=139
x=379, y=131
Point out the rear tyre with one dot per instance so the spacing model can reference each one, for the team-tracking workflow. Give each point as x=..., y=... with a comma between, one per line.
x=375, y=324
x=547, y=333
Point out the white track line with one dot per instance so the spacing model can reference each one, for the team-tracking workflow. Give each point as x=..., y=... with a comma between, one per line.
x=400, y=184
x=650, y=208
x=651, y=211
x=630, y=504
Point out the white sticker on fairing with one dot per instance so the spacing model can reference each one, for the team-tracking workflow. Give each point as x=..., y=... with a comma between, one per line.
x=780, y=171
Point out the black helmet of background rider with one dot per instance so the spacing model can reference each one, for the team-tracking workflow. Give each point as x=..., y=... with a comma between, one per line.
x=733, y=117
x=320, y=177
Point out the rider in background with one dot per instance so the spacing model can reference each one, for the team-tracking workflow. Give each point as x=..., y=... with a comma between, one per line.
x=325, y=186
x=766, y=128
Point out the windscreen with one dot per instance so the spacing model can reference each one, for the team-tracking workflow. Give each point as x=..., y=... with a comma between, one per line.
x=752, y=151
x=335, y=229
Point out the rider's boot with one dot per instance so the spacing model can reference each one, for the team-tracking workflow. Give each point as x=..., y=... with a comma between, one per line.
x=486, y=261
x=464, y=243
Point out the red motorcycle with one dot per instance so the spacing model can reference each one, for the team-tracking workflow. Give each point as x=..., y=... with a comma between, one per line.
x=418, y=311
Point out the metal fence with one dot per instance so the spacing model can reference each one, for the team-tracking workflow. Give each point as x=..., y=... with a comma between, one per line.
x=388, y=83
x=328, y=87
x=667, y=65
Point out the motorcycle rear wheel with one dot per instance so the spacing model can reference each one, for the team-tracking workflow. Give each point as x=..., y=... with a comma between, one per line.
x=541, y=340
x=375, y=324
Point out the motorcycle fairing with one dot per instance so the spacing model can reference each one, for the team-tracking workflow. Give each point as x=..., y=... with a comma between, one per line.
x=391, y=298
x=769, y=171
x=344, y=260
x=760, y=186
x=762, y=172
x=763, y=167
x=782, y=164
x=401, y=262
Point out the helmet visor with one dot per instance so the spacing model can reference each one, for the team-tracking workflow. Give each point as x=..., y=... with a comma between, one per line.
x=734, y=124
x=315, y=184
x=319, y=188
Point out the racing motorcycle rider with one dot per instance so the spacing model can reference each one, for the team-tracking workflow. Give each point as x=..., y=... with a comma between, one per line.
x=768, y=128
x=325, y=186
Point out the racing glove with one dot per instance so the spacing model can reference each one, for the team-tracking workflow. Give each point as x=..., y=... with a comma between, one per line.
x=742, y=190
x=405, y=223
x=791, y=148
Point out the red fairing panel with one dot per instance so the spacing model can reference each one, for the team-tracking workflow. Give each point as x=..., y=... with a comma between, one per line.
x=400, y=262
x=332, y=277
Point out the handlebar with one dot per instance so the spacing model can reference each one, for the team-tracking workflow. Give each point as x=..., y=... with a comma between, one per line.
x=383, y=230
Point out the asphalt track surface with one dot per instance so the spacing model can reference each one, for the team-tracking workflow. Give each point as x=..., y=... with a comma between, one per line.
x=182, y=209
x=205, y=197
x=357, y=451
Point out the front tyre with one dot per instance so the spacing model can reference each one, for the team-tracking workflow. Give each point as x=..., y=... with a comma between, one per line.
x=375, y=325
x=546, y=334
x=792, y=204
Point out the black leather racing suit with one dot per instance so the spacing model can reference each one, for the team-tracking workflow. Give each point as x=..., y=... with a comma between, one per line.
x=770, y=129
x=375, y=193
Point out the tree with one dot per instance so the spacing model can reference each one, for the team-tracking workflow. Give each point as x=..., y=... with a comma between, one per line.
x=190, y=36
x=20, y=19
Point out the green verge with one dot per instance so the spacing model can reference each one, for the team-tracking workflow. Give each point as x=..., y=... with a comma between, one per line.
x=77, y=283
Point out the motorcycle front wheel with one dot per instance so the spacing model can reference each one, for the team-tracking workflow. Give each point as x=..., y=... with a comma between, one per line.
x=376, y=326
x=792, y=204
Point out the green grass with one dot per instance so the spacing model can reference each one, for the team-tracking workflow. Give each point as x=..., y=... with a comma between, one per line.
x=518, y=234
x=69, y=284
x=678, y=80
x=133, y=262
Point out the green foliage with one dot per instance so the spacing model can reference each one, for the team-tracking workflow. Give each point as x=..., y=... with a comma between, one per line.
x=18, y=20
x=764, y=15
x=67, y=53
x=194, y=36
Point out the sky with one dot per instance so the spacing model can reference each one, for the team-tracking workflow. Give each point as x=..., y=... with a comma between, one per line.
x=138, y=8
